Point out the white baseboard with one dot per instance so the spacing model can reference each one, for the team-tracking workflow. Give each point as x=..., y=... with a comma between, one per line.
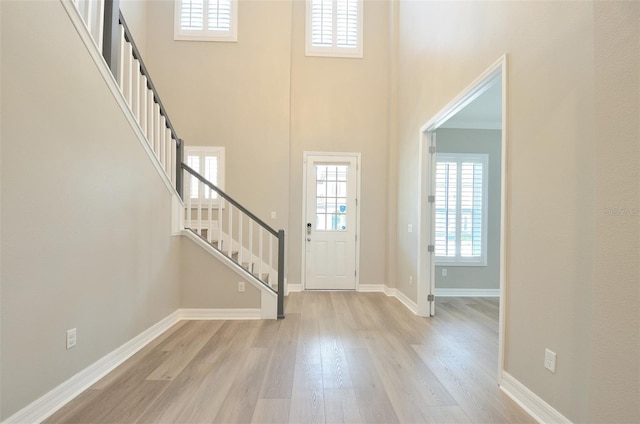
x=55, y=399
x=410, y=304
x=220, y=314
x=442, y=292
x=371, y=288
x=540, y=410
x=293, y=288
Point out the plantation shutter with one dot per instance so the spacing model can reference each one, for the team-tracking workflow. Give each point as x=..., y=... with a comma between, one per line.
x=192, y=15
x=334, y=28
x=219, y=15
x=460, y=199
x=322, y=23
x=206, y=20
x=347, y=23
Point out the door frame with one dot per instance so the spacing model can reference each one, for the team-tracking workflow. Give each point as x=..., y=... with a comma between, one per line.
x=426, y=261
x=337, y=155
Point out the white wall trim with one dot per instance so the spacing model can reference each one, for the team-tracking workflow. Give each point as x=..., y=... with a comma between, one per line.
x=294, y=288
x=371, y=288
x=56, y=398
x=410, y=304
x=442, y=292
x=539, y=410
x=220, y=314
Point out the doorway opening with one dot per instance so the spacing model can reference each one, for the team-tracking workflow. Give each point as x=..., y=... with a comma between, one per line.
x=331, y=219
x=463, y=155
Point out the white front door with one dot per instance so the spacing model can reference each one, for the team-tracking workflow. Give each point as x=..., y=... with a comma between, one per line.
x=331, y=222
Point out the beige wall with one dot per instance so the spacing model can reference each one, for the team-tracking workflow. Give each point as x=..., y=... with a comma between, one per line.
x=615, y=328
x=234, y=95
x=208, y=283
x=83, y=246
x=135, y=13
x=267, y=103
x=567, y=64
x=341, y=105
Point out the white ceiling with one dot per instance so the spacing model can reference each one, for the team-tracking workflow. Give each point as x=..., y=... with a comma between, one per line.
x=485, y=112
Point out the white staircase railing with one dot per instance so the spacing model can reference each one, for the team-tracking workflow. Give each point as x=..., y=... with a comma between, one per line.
x=234, y=231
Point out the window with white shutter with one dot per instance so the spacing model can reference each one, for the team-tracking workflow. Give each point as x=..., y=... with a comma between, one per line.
x=334, y=28
x=208, y=162
x=206, y=20
x=461, y=209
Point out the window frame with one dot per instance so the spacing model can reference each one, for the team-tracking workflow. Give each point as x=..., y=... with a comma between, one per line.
x=334, y=50
x=180, y=34
x=458, y=260
x=201, y=152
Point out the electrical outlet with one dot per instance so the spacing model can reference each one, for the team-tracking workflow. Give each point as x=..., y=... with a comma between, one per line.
x=411, y=280
x=410, y=228
x=550, y=360
x=444, y=272
x=274, y=215
x=71, y=338
x=241, y=286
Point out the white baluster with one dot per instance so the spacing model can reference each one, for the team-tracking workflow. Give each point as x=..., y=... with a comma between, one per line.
x=156, y=133
x=172, y=153
x=163, y=144
x=187, y=194
x=220, y=216
x=136, y=90
x=150, y=108
x=100, y=24
x=240, y=241
x=87, y=15
x=200, y=196
x=270, y=269
x=260, y=259
x=230, y=230
x=121, y=66
x=130, y=61
x=210, y=214
x=250, y=245
x=143, y=105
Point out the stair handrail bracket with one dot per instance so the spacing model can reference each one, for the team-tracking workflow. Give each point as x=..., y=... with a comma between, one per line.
x=234, y=231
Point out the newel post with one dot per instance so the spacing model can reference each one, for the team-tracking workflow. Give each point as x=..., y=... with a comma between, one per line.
x=179, y=173
x=110, y=39
x=281, y=274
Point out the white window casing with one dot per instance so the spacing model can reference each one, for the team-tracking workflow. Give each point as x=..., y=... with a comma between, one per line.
x=334, y=28
x=461, y=209
x=206, y=20
x=209, y=162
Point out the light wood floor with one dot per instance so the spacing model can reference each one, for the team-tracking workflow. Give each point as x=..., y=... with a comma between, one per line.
x=337, y=357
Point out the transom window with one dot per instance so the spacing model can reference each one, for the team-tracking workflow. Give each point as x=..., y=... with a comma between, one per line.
x=206, y=20
x=461, y=209
x=334, y=28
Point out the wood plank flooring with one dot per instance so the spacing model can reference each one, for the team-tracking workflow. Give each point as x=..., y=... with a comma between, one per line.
x=338, y=357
